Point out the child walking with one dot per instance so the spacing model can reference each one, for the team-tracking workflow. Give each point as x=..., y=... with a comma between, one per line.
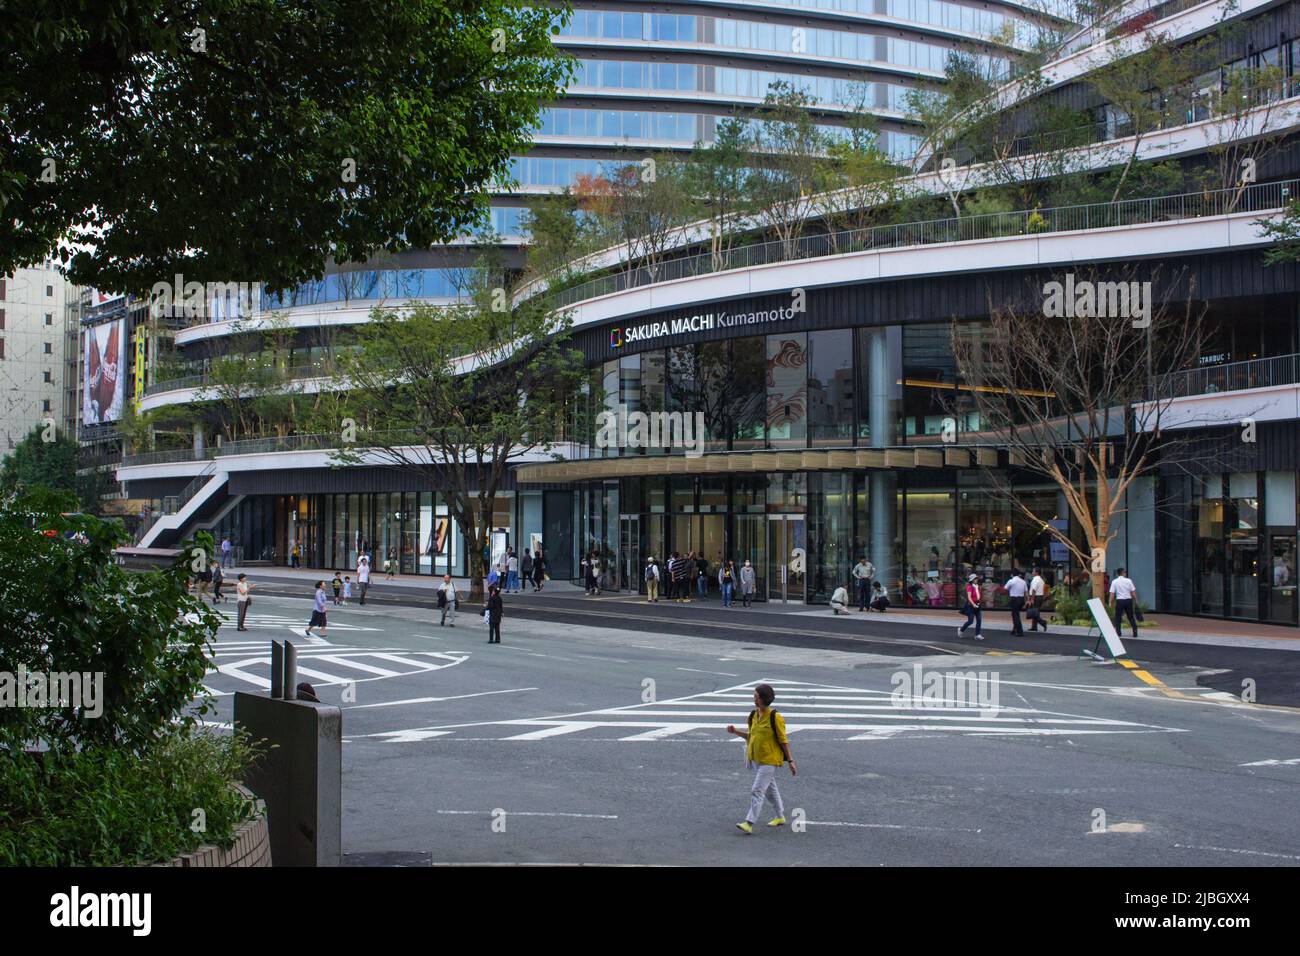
x=338, y=589
x=347, y=589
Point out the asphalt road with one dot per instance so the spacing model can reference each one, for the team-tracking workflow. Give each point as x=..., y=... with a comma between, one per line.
x=594, y=734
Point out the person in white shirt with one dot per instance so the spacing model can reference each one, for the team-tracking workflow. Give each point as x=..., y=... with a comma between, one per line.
x=242, y=600
x=447, y=601
x=363, y=576
x=863, y=572
x=1016, y=589
x=1125, y=592
x=840, y=600
x=1037, y=595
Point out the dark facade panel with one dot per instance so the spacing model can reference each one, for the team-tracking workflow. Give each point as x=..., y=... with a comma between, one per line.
x=303, y=481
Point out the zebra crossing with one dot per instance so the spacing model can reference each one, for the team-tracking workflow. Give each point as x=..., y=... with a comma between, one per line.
x=241, y=665
x=843, y=713
x=280, y=622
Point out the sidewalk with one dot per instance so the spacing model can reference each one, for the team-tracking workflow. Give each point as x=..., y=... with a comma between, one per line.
x=1172, y=628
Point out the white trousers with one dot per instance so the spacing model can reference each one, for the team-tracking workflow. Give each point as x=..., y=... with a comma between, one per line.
x=449, y=613
x=764, y=788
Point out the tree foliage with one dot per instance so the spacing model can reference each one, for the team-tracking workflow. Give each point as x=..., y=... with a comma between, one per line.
x=242, y=141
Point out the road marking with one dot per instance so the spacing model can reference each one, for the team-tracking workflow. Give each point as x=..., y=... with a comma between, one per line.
x=532, y=813
x=410, y=736
x=864, y=714
x=1145, y=676
x=1272, y=763
x=439, y=700
x=889, y=826
x=1225, y=849
x=349, y=662
x=719, y=673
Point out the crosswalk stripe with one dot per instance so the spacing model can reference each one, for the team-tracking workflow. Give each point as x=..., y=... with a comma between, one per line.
x=352, y=662
x=322, y=676
x=569, y=728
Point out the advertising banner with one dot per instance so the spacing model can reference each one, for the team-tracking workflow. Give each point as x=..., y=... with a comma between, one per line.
x=103, y=373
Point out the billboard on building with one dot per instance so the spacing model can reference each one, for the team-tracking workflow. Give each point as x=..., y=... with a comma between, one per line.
x=104, y=372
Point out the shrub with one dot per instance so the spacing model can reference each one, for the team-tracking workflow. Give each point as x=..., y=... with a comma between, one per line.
x=67, y=607
x=111, y=806
x=1068, y=606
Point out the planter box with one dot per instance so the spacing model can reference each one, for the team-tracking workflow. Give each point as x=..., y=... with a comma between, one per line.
x=252, y=846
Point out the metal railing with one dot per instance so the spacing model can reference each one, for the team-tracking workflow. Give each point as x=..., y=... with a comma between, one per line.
x=293, y=373
x=163, y=457
x=195, y=485
x=1260, y=198
x=1255, y=373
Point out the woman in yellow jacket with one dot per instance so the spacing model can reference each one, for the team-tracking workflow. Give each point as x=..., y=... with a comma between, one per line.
x=767, y=748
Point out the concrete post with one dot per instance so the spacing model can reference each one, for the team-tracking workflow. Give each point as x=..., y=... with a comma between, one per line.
x=885, y=358
x=299, y=775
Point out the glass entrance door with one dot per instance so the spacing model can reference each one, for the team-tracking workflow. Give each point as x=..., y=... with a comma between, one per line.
x=629, y=552
x=787, y=559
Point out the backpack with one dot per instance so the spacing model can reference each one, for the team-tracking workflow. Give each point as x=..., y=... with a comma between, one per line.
x=650, y=572
x=771, y=717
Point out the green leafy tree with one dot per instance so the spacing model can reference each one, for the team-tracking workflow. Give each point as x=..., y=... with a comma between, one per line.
x=456, y=395
x=717, y=178
x=45, y=458
x=794, y=165
x=235, y=141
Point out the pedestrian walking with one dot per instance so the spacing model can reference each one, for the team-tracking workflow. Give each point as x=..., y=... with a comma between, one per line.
x=747, y=583
x=539, y=570
x=651, y=581
x=295, y=555
x=225, y=551
x=1124, y=591
x=390, y=563
x=767, y=749
x=681, y=571
x=217, y=579
x=727, y=582
x=512, y=571
x=1016, y=591
x=863, y=572
x=526, y=570
x=347, y=588
x=840, y=600
x=243, y=599
x=1037, y=597
x=591, y=571
x=363, y=577
x=447, y=601
x=337, y=584
x=702, y=575
x=318, y=618
x=972, y=608
x=495, y=608
x=205, y=580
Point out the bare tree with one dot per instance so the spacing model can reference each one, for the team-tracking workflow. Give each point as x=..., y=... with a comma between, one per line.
x=1076, y=386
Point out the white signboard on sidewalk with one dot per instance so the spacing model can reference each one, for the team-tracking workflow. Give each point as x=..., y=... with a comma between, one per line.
x=1106, y=627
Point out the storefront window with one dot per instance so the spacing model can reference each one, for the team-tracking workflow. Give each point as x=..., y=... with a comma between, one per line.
x=930, y=553
x=985, y=541
x=830, y=387
x=747, y=402
x=929, y=376
x=787, y=390
x=1209, y=546
x=830, y=534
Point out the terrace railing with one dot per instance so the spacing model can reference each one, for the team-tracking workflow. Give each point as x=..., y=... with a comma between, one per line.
x=1255, y=373
x=1258, y=198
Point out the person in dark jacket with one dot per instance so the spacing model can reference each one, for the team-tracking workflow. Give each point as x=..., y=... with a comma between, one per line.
x=539, y=569
x=494, y=609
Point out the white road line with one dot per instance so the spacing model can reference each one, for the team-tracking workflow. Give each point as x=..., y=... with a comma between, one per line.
x=1225, y=849
x=352, y=662
x=661, y=732
x=889, y=826
x=1272, y=763
x=438, y=700
x=410, y=736
x=567, y=728
x=719, y=673
x=532, y=813
x=322, y=676
x=233, y=670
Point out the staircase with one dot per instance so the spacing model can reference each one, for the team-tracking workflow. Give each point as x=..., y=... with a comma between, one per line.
x=203, y=502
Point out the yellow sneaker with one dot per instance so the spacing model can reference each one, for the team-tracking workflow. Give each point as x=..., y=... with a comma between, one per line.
x=778, y=822
x=745, y=827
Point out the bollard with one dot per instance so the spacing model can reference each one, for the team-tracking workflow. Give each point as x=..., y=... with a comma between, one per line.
x=290, y=672
x=277, y=669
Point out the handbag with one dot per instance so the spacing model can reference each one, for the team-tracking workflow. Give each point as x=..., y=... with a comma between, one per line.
x=487, y=618
x=1137, y=611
